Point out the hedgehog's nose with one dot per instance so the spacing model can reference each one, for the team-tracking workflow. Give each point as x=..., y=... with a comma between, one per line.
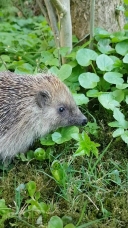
x=84, y=122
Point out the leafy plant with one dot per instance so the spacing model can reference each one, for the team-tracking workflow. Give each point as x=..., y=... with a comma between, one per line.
x=34, y=206
x=84, y=182
x=5, y=212
x=85, y=145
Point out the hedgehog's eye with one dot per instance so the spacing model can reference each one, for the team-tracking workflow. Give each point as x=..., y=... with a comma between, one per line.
x=61, y=109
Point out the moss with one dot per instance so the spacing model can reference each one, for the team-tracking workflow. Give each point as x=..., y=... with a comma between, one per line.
x=103, y=196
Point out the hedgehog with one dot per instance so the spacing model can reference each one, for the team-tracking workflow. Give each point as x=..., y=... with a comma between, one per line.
x=30, y=108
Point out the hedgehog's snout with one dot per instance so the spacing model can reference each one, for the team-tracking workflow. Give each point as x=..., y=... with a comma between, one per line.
x=78, y=120
x=84, y=121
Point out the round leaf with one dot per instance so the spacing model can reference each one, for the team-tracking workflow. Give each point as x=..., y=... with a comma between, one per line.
x=5, y=58
x=107, y=100
x=113, y=77
x=104, y=62
x=125, y=137
x=125, y=59
x=104, y=47
x=64, y=135
x=92, y=93
x=24, y=68
x=40, y=154
x=119, y=116
x=122, y=47
x=118, y=94
x=84, y=56
x=57, y=137
x=55, y=222
x=64, y=72
x=88, y=80
x=47, y=140
x=118, y=132
x=80, y=99
x=122, y=86
x=53, y=70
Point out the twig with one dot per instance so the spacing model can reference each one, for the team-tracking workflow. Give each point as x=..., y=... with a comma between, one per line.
x=92, y=21
x=44, y=12
x=53, y=20
x=59, y=6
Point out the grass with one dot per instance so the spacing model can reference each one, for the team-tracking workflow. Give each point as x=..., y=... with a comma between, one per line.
x=93, y=192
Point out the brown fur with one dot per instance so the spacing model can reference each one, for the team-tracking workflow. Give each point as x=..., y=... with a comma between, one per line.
x=29, y=108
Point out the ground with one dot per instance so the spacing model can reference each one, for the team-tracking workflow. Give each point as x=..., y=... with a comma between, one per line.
x=93, y=192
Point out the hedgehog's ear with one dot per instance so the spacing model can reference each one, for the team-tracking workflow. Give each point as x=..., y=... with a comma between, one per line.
x=42, y=98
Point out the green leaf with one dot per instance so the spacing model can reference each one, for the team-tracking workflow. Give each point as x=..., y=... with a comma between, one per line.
x=40, y=154
x=114, y=124
x=64, y=134
x=93, y=93
x=125, y=137
x=88, y=80
x=104, y=63
x=55, y=222
x=104, y=47
x=125, y=59
x=86, y=146
x=101, y=33
x=92, y=128
x=57, y=137
x=118, y=36
x=46, y=56
x=108, y=101
x=49, y=59
x=31, y=187
x=119, y=116
x=5, y=58
x=114, y=77
x=80, y=99
x=24, y=68
x=122, y=86
x=126, y=99
x=37, y=196
x=43, y=207
x=122, y=47
x=3, y=208
x=118, y=95
x=118, y=132
x=57, y=171
x=54, y=70
x=117, y=62
x=76, y=136
x=85, y=56
x=64, y=72
x=47, y=140
x=63, y=51
x=70, y=226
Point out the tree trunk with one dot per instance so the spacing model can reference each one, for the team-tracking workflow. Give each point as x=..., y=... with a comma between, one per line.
x=106, y=16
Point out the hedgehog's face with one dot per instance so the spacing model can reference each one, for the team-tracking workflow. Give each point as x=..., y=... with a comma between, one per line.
x=69, y=115
x=60, y=110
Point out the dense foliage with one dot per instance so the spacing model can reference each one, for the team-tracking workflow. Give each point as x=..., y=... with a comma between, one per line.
x=84, y=181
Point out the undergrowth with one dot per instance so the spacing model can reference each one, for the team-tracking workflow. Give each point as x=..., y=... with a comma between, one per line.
x=73, y=177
